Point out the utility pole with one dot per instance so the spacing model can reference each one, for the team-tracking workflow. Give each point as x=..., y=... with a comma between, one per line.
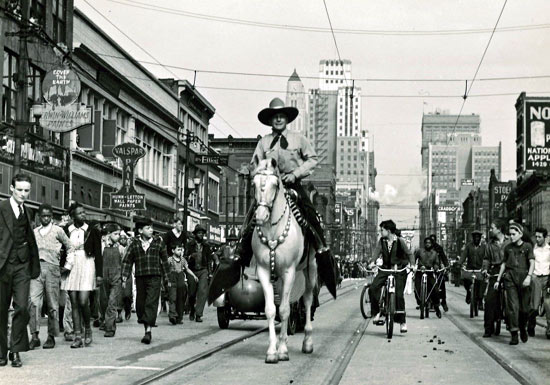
x=226, y=202
x=22, y=86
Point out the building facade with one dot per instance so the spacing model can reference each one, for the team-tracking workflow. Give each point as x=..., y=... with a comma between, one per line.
x=296, y=97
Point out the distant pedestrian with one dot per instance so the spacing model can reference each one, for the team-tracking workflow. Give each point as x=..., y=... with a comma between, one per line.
x=540, y=283
x=86, y=271
x=128, y=290
x=201, y=261
x=50, y=238
x=178, y=283
x=148, y=253
x=516, y=271
x=19, y=263
x=111, y=287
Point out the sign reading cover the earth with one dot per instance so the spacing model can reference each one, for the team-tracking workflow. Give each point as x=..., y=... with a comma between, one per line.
x=61, y=89
x=127, y=198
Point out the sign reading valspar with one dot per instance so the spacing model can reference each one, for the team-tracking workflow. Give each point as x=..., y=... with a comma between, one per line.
x=537, y=135
x=60, y=89
x=127, y=198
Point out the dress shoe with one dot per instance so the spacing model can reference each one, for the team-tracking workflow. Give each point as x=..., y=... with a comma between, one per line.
x=146, y=338
x=191, y=316
x=523, y=335
x=15, y=360
x=179, y=322
x=445, y=307
x=468, y=297
x=69, y=337
x=198, y=318
x=77, y=343
x=119, y=319
x=109, y=334
x=487, y=335
x=172, y=320
x=35, y=342
x=88, y=337
x=50, y=343
x=437, y=312
x=128, y=315
x=531, y=332
x=3, y=361
x=514, y=340
x=403, y=327
x=97, y=323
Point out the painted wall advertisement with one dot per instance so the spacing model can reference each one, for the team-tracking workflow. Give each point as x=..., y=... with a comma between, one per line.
x=537, y=135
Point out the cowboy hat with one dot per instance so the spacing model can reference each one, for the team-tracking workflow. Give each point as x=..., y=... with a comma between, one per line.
x=276, y=106
x=199, y=228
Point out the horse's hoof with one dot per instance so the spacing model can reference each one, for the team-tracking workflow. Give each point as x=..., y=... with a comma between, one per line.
x=307, y=349
x=283, y=356
x=271, y=358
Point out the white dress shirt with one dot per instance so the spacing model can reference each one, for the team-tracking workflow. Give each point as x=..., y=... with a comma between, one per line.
x=542, y=260
x=15, y=207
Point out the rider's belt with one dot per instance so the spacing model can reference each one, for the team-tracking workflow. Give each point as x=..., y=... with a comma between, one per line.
x=541, y=275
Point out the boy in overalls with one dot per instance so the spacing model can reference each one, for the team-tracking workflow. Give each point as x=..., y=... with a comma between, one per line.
x=178, y=283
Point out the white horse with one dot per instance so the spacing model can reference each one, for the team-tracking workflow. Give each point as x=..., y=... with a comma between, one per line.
x=278, y=245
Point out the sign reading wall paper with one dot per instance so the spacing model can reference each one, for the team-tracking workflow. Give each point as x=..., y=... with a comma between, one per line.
x=127, y=198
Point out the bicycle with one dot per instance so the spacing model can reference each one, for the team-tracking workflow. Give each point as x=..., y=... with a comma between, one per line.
x=473, y=275
x=387, y=299
x=365, y=300
x=424, y=295
x=501, y=315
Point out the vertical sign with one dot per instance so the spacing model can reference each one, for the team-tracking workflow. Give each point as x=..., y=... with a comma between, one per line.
x=537, y=135
x=127, y=197
x=337, y=213
x=501, y=190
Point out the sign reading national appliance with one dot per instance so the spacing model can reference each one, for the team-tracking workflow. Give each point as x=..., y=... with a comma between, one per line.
x=61, y=113
x=533, y=119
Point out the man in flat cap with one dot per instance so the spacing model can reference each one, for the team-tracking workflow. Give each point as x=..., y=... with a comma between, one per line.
x=296, y=159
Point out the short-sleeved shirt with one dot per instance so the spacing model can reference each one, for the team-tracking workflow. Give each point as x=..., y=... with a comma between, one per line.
x=517, y=257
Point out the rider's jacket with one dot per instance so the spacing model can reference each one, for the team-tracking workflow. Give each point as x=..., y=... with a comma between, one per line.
x=399, y=254
x=427, y=258
x=443, y=260
x=473, y=255
x=494, y=255
x=296, y=155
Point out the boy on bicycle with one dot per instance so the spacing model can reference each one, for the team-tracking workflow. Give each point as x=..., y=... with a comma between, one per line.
x=491, y=265
x=392, y=251
x=427, y=258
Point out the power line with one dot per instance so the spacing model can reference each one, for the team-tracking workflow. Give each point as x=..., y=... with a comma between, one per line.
x=303, y=28
x=335, y=43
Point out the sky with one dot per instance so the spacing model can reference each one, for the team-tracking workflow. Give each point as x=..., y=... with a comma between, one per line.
x=397, y=39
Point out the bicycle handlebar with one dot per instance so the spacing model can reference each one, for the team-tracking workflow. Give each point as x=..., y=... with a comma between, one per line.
x=472, y=271
x=393, y=270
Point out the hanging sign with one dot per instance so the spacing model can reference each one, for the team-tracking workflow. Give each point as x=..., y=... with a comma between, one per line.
x=127, y=198
x=61, y=89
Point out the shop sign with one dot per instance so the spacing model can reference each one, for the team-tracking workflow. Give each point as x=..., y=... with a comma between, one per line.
x=467, y=182
x=216, y=160
x=66, y=118
x=127, y=198
x=337, y=213
x=501, y=190
x=537, y=135
x=447, y=209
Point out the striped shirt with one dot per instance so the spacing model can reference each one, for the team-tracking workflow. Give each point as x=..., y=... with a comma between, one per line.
x=150, y=258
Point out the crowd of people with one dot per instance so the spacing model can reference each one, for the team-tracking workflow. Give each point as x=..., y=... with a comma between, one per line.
x=84, y=275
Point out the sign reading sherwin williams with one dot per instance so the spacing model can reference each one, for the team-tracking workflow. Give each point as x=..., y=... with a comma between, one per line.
x=61, y=89
x=537, y=135
x=127, y=198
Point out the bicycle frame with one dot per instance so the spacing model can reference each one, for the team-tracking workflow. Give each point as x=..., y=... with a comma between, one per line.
x=474, y=275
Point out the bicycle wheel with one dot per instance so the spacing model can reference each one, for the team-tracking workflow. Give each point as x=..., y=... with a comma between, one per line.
x=365, y=302
x=422, y=299
x=390, y=313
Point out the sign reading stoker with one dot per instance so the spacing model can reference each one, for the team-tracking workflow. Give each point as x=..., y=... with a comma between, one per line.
x=127, y=198
x=537, y=134
x=60, y=89
x=501, y=190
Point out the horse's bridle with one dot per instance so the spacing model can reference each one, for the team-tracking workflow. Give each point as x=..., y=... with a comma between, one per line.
x=267, y=205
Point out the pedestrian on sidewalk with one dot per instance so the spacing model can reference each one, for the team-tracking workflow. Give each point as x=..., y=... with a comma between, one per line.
x=19, y=263
x=473, y=257
x=201, y=262
x=86, y=270
x=494, y=255
x=540, y=286
x=50, y=238
x=516, y=271
x=178, y=283
x=148, y=253
x=128, y=290
x=111, y=288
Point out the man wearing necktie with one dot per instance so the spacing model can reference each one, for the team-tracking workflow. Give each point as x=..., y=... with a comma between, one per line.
x=19, y=263
x=296, y=159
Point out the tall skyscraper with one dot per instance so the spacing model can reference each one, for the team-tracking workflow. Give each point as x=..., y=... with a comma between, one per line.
x=296, y=97
x=334, y=74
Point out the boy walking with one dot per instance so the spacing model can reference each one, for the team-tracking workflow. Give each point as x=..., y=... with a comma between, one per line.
x=178, y=284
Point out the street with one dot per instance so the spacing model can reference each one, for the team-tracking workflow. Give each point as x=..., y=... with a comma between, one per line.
x=347, y=350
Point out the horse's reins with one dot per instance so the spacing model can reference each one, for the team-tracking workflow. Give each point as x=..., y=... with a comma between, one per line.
x=273, y=243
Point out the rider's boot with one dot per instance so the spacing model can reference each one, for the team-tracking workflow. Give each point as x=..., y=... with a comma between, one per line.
x=437, y=311
x=515, y=339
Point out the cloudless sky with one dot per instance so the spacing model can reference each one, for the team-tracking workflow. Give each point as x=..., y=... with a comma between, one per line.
x=393, y=123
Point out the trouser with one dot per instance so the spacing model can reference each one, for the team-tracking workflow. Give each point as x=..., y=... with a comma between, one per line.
x=65, y=302
x=432, y=294
x=517, y=301
x=539, y=293
x=111, y=289
x=45, y=286
x=492, y=307
x=178, y=293
x=442, y=289
x=376, y=288
x=198, y=292
x=314, y=233
x=14, y=289
x=147, y=298
x=95, y=304
x=128, y=294
x=478, y=289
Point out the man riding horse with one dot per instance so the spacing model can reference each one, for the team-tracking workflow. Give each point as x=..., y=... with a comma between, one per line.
x=296, y=159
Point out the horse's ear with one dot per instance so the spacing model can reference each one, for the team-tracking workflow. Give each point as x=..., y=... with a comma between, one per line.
x=274, y=163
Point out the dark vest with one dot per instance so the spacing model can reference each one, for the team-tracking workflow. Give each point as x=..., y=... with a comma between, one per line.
x=21, y=230
x=394, y=257
x=111, y=258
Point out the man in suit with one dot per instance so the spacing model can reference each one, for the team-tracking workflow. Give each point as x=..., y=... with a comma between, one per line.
x=19, y=263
